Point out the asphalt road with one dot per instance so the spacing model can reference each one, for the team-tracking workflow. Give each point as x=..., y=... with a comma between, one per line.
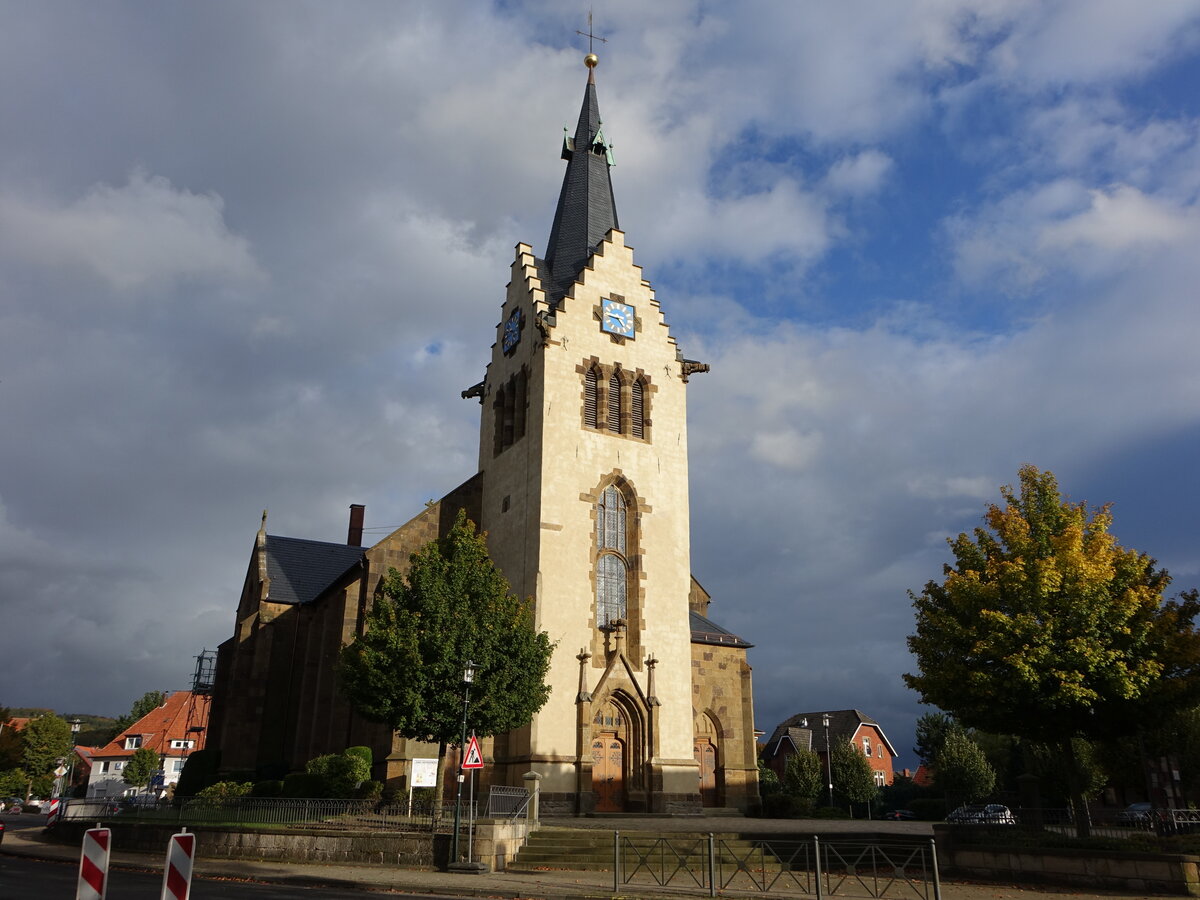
x=31, y=879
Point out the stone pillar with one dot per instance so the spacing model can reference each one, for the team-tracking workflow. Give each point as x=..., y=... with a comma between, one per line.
x=533, y=785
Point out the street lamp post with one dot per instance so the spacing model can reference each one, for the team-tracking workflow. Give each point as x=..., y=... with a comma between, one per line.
x=828, y=757
x=74, y=743
x=468, y=677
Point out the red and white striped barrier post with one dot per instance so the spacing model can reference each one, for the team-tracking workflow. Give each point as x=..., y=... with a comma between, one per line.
x=93, y=864
x=52, y=816
x=177, y=877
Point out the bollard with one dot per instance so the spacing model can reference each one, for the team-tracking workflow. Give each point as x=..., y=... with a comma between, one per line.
x=93, y=864
x=177, y=876
x=616, y=861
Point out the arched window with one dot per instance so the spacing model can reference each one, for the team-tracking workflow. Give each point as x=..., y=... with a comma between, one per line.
x=611, y=578
x=637, y=408
x=612, y=572
x=610, y=520
x=591, y=382
x=614, y=402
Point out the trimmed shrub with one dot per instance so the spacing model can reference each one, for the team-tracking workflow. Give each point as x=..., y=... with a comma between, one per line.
x=369, y=790
x=342, y=772
x=199, y=772
x=226, y=790
x=272, y=788
x=302, y=785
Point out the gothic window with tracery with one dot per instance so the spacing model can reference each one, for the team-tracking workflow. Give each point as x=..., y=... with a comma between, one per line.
x=612, y=571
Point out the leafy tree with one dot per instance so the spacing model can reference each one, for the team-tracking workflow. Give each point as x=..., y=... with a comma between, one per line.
x=142, y=766
x=768, y=781
x=45, y=740
x=1045, y=627
x=11, y=750
x=452, y=606
x=932, y=729
x=13, y=782
x=1059, y=775
x=853, y=778
x=803, y=775
x=963, y=773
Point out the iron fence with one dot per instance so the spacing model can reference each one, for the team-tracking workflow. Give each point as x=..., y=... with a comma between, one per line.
x=905, y=870
x=1127, y=824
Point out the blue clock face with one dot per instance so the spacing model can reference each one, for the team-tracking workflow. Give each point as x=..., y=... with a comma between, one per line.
x=617, y=318
x=512, y=331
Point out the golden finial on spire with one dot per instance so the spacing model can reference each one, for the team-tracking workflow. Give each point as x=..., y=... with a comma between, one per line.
x=591, y=60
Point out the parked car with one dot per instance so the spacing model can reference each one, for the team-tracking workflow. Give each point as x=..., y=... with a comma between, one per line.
x=899, y=815
x=1134, y=814
x=987, y=814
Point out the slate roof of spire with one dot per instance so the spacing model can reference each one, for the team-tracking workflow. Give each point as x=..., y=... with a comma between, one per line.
x=586, y=206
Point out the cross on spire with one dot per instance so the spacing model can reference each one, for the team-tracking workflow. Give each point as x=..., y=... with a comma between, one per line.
x=588, y=34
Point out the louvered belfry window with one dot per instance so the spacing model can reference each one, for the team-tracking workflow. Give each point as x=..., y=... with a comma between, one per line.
x=591, y=381
x=614, y=403
x=612, y=573
x=637, y=408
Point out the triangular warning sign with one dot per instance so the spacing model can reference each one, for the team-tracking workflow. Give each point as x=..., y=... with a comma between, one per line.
x=473, y=759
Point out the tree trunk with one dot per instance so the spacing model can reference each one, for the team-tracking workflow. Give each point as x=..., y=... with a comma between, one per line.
x=1083, y=824
x=440, y=787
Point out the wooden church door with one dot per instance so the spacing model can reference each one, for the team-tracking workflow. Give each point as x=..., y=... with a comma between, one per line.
x=706, y=757
x=608, y=773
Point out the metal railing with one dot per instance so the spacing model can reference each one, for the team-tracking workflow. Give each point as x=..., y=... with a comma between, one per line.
x=506, y=802
x=784, y=867
x=274, y=812
x=1101, y=822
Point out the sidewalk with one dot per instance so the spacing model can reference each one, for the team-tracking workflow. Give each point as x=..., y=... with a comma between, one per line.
x=551, y=885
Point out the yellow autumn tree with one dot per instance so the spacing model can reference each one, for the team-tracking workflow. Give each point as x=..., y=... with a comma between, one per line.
x=1047, y=628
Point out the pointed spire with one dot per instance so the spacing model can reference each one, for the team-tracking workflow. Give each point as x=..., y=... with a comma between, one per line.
x=586, y=206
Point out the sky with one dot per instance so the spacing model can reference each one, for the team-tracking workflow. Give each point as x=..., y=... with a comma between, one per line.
x=250, y=253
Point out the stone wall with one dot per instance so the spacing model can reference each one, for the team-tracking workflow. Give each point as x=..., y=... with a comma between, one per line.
x=496, y=842
x=1148, y=873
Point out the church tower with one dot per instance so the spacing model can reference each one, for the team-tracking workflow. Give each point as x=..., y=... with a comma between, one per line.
x=583, y=458
x=582, y=489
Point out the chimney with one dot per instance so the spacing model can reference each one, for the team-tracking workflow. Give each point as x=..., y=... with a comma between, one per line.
x=354, y=535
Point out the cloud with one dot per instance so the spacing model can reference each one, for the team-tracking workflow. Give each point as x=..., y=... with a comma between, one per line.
x=860, y=173
x=1091, y=41
x=1122, y=218
x=1048, y=230
x=144, y=236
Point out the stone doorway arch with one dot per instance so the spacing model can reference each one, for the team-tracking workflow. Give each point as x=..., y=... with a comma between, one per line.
x=617, y=756
x=707, y=746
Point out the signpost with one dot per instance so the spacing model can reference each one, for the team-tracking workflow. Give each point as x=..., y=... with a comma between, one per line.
x=423, y=774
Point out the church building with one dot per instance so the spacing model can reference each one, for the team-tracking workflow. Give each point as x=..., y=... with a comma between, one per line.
x=582, y=491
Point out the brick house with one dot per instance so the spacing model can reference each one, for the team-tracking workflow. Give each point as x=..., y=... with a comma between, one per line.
x=808, y=731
